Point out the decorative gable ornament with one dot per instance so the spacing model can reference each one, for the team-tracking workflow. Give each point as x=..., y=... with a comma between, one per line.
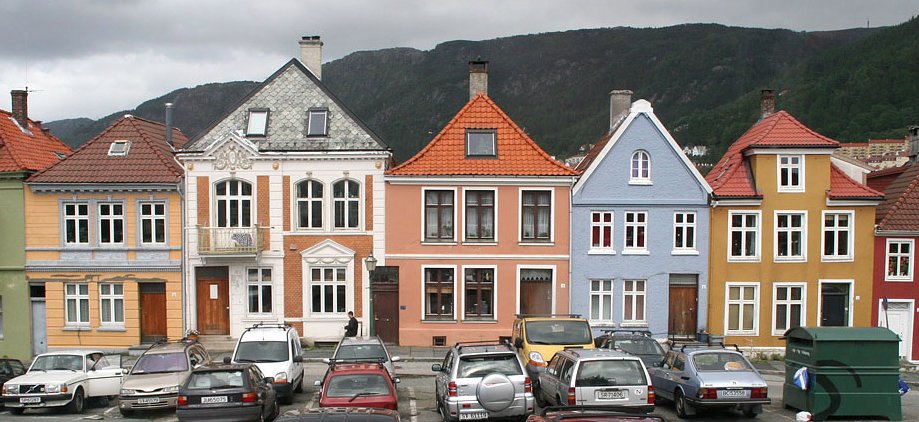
x=232, y=158
x=328, y=252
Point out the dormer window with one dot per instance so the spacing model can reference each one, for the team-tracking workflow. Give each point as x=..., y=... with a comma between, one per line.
x=119, y=148
x=481, y=144
x=791, y=173
x=317, y=124
x=258, y=122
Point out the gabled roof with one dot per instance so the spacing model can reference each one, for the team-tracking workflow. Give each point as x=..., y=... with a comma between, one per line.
x=517, y=154
x=149, y=158
x=844, y=187
x=900, y=209
x=30, y=150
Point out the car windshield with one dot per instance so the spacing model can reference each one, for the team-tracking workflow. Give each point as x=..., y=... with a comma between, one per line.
x=558, y=332
x=606, y=373
x=261, y=351
x=349, y=385
x=640, y=346
x=215, y=379
x=361, y=351
x=720, y=362
x=480, y=366
x=158, y=363
x=58, y=363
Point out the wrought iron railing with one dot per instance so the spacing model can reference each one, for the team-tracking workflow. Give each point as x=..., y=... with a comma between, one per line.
x=230, y=240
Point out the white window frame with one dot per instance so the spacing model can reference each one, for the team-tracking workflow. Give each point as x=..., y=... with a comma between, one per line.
x=790, y=167
x=152, y=218
x=494, y=292
x=424, y=296
x=322, y=283
x=77, y=218
x=110, y=220
x=238, y=197
x=308, y=202
x=820, y=284
x=740, y=302
x=789, y=230
x=260, y=128
x=111, y=297
x=552, y=209
x=347, y=201
x=634, y=296
x=325, y=123
x=77, y=297
x=424, y=217
x=788, y=302
x=601, y=294
x=259, y=283
x=119, y=152
x=601, y=250
x=494, y=239
x=851, y=237
x=634, y=250
x=911, y=255
x=643, y=166
x=684, y=227
x=758, y=231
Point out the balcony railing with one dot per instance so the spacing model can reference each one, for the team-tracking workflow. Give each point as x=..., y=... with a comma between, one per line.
x=231, y=240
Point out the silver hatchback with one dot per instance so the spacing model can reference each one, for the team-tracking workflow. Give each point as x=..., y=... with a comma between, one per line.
x=482, y=380
x=596, y=377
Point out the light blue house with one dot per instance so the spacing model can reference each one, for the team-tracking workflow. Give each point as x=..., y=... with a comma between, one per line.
x=639, y=229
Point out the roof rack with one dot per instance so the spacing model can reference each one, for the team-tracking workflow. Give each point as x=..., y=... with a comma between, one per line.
x=548, y=315
x=342, y=361
x=644, y=332
x=462, y=344
x=709, y=345
x=268, y=325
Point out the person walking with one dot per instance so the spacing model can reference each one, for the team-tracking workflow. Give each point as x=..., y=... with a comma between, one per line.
x=351, y=328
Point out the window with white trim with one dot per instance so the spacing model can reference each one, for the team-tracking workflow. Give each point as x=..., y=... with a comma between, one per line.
x=480, y=215
x=788, y=311
x=234, y=203
x=111, y=303
x=438, y=293
x=742, y=309
x=346, y=198
x=318, y=123
x=791, y=173
x=601, y=231
x=258, y=123
x=837, y=235
x=601, y=301
x=640, y=167
x=438, y=215
x=790, y=238
x=76, y=223
x=684, y=231
x=259, y=290
x=328, y=287
x=744, y=229
x=152, y=222
x=536, y=212
x=309, y=204
x=111, y=223
x=479, y=299
x=899, y=260
x=633, y=296
x=636, y=227
x=76, y=303
x=119, y=148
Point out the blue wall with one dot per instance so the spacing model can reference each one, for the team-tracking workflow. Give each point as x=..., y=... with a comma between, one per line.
x=607, y=189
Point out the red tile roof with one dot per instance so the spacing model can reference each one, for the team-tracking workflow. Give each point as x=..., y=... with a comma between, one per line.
x=149, y=158
x=594, y=152
x=517, y=154
x=21, y=151
x=844, y=187
x=900, y=209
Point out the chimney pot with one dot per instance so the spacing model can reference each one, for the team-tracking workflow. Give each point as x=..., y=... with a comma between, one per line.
x=311, y=54
x=21, y=107
x=767, y=103
x=478, y=77
x=914, y=143
x=620, y=102
x=169, y=123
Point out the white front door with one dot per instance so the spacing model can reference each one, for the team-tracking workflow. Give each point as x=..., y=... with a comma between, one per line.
x=899, y=318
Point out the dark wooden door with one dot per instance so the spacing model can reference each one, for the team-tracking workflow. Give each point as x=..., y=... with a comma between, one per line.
x=834, y=307
x=683, y=302
x=384, y=284
x=213, y=291
x=535, y=297
x=152, y=312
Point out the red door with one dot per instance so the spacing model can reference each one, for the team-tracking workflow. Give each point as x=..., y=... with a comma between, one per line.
x=152, y=312
x=213, y=289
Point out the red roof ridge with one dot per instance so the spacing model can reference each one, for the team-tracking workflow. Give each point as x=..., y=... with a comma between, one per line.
x=29, y=130
x=170, y=162
x=80, y=148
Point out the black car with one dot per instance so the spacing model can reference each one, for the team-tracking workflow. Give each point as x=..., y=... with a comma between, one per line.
x=227, y=392
x=9, y=369
x=638, y=343
x=343, y=414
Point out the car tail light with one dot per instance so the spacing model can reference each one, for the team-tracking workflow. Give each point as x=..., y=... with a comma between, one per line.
x=651, y=395
x=527, y=385
x=451, y=389
x=391, y=406
x=182, y=401
x=759, y=392
x=708, y=393
x=572, y=400
x=250, y=397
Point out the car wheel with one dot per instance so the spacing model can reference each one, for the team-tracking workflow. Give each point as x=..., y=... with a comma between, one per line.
x=261, y=415
x=76, y=403
x=679, y=403
x=748, y=412
x=299, y=388
x=540, y=401
x=102, y=401
x=287, y=400
x=275, y=412
x=126, y=412
x=17, y=410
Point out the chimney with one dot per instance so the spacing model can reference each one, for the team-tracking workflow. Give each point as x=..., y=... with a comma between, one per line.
x=478, y=77
x=21, y=107
x=766, y=103
x=620, y=101
x=311, y=54
x=914, y=143
x=169, y=124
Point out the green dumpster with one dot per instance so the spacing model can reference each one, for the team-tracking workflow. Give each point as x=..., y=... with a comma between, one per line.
x=850, y=372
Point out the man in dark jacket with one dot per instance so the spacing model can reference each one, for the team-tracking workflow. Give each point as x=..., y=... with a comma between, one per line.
x=351, y=328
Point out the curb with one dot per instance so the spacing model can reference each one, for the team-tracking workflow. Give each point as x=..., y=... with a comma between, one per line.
x=911, y=383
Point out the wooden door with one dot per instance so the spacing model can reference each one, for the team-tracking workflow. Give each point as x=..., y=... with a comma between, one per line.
x=535, y=297
x=213, y=291
x=834, y=309
x=684, y=300
x=384, y=285
x=152, y=312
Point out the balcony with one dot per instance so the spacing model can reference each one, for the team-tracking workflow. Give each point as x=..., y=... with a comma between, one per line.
x=231, y=241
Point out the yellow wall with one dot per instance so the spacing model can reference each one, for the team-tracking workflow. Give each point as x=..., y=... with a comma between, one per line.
x=767, y=271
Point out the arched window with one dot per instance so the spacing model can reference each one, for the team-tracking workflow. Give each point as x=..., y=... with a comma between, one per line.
x=346, y=197
x=234, y=203
x=641, y=166
x=309, y=204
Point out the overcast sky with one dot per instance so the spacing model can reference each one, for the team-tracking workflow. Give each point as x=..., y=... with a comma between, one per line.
x=91, y=58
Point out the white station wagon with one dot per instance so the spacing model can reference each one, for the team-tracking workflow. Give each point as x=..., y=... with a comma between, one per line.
x=65, y=378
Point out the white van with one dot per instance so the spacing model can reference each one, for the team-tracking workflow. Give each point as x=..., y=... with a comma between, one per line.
x=277, y=352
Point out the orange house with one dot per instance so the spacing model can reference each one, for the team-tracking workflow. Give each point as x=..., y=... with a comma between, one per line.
x=476, y=228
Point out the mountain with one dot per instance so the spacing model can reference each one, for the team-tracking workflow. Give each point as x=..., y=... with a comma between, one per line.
x=703, y=80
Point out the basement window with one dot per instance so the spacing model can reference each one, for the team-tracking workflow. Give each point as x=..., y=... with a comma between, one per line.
x=119, y=148
x=258, y=122
x=481, y=143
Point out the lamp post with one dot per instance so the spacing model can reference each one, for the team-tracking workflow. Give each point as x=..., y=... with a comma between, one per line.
x=371, y=263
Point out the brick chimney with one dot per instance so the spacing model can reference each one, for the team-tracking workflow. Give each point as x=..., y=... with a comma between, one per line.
x=766, y=103
x=478, y=77
x=620, y=101
x=311, y=54
x=21, y=107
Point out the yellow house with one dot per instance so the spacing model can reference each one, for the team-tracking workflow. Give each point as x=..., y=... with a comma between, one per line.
x=792, y=235
x=104, y=239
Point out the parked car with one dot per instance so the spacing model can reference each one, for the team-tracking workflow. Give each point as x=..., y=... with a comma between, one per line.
x=154, y=380
x=65, y=378
x=482, y=380
x=343, y=414
x=538, y=337
x=358, y=385
x=596, y=377
x=697, y=377
x=276, y=350
x=9, y=369
x=638, y=343
x=363, y=349
x=590, y=414
x=221, y=392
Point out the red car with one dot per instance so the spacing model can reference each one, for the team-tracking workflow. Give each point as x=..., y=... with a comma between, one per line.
x=358, y=385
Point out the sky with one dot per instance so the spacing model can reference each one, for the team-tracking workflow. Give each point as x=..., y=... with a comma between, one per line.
x=91, y=58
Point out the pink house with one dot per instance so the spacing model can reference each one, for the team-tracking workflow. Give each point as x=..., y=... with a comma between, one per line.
x=476, y=228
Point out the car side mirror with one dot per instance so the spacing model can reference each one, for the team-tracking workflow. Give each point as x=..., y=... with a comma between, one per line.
x=396, y=380
x=298, y=359
x=396, y=359
x=436, y=367
x=194, y=362
x=269, y=380
x=665, y=366
x=326, y=360
x=317, y=383
x=226, y=360
x=518, y=343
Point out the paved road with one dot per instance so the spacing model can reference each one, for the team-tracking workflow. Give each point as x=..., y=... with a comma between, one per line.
x=416, y=402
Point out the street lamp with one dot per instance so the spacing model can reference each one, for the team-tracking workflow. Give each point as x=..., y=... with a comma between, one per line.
x=371, y=263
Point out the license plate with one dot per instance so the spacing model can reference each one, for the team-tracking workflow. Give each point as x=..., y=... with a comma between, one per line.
x=473, y=416
x=214, y=399
x=610, y=394
x=148, y=400
x=734, y=394
x=30, y=399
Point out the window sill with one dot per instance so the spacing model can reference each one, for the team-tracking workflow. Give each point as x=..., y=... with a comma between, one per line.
x=790, y=190
x=76, y=328
x=438, y=321
x=112, y=328
x=601, y=324
x=480, y=321
x=641, y=182
x=837, y=259
x=684, y=252
x=536, y=243
x=636, y=252
x=898, y=280
x=601, y=252
x=634, y=325
x=750, y=259
x=474, y=243
x=796, y=260
x=741, y=333
x=428, y=243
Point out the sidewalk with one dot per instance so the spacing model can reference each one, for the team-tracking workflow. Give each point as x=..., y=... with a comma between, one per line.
x=775, y=367
x=405, y=353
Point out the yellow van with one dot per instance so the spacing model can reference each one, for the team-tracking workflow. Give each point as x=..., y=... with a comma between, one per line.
x=538, y=337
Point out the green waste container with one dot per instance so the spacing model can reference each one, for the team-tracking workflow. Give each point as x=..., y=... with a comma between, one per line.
x=851, y=371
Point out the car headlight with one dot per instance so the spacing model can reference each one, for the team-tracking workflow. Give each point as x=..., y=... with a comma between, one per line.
x=127, y=392
x=171, y=389
x=52, y=388
x=536, y=359
x=280, y=377
x=10, y=388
